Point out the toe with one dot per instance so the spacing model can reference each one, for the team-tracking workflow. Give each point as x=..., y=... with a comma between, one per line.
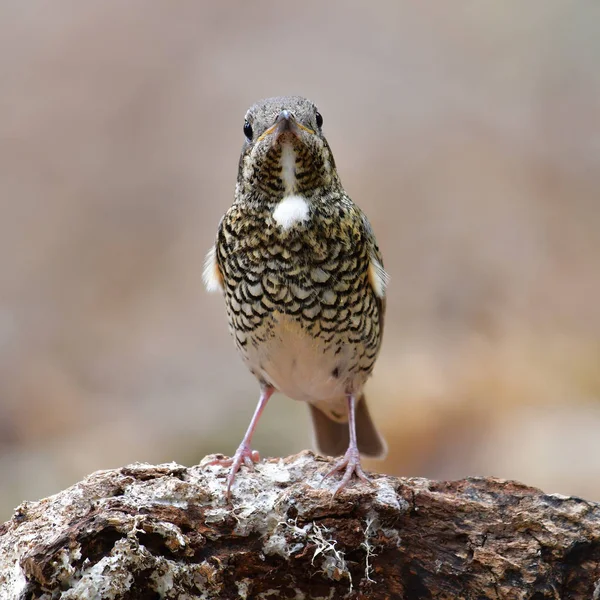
x=340, y=465
x=361, y=474
x=350, y=465
x=243, y=456
x=222, y=462
x=345, y=479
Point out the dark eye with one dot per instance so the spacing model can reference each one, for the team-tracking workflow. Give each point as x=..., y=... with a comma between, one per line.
x=248, y=130
x=319, y=119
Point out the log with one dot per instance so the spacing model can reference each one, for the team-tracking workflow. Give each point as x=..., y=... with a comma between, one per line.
x=166, y=531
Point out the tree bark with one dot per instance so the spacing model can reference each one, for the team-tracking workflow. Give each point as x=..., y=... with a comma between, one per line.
x=149, y=532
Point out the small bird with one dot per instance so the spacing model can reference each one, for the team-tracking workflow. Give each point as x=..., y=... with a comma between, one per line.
x=303, y=281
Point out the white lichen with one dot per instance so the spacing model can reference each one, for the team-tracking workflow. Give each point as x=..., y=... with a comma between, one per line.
x=243, y=588
x=14, y=583
x=334, y=564
x=371, y=526
x=387, y=497
x=278, y=543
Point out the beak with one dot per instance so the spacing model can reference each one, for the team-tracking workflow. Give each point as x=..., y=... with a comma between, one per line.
x=286, y=121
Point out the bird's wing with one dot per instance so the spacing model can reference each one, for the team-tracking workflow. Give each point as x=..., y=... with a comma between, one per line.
x=212, y=276
x=378, y=278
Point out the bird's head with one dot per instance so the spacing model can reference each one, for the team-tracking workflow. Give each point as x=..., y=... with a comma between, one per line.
x=285, y=151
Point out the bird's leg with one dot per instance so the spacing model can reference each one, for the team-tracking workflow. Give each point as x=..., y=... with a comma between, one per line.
x=244, y=454
x=350, y=462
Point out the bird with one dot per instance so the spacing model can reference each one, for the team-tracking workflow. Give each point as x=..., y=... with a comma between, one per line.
x=304, y=284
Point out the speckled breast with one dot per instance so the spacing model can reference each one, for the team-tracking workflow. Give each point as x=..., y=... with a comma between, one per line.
x=299, y=302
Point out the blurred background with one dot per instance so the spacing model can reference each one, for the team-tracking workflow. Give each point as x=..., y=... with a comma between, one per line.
x=469, y=133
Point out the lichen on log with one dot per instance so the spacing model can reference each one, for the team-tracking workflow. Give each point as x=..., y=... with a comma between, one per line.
x=166, y=531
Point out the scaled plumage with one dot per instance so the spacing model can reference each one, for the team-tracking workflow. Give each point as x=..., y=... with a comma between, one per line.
x=303, y=280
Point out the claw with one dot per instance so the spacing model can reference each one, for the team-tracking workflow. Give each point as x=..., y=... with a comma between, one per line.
x=244, y=454
x=350, y=464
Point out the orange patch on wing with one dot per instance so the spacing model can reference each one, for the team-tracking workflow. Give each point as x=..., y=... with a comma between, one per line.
x=378, y=278
x=212, y=276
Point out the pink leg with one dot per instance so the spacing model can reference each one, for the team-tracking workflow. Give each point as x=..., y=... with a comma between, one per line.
x=244, y=454
x=350, y=462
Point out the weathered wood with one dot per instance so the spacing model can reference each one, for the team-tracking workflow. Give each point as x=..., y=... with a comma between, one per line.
x=149, y=532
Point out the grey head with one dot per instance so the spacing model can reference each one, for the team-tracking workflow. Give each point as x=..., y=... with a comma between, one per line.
x=285, y=151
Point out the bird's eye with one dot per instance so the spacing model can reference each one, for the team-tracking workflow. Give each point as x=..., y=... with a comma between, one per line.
x=319, y=119
x=248, y=130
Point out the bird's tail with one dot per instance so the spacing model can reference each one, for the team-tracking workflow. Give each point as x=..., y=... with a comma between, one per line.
x=332, y=438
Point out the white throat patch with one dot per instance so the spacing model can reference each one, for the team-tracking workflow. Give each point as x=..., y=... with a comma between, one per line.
x=288, y=168
x=290, y=211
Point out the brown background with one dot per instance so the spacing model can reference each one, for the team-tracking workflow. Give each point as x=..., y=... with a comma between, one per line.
x=468, y=131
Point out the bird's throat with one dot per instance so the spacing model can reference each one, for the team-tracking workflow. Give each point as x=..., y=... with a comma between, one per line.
x=288, y=168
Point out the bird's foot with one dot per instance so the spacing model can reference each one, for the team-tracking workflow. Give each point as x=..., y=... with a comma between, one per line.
x=243, y=455
x=350, y=464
